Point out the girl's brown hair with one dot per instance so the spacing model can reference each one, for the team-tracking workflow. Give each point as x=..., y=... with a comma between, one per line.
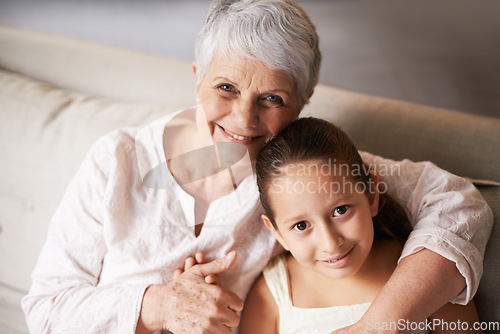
x=313, y=139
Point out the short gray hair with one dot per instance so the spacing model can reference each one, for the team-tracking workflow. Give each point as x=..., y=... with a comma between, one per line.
x=278, y=33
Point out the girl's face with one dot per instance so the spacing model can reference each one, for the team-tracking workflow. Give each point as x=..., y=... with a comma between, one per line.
x=322, y=220
x=246, y=102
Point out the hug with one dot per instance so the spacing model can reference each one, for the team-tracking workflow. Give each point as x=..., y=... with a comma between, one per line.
x=190, y=250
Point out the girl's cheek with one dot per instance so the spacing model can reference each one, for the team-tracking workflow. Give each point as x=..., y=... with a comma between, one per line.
x=302, y=247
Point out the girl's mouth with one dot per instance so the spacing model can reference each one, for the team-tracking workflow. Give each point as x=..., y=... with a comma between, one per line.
x=339, y=262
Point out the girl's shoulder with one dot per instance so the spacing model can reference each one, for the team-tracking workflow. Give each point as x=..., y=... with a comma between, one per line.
x=260, y=314
x=276, y=277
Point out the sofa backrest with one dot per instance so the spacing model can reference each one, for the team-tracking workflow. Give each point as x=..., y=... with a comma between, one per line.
x=466, y=145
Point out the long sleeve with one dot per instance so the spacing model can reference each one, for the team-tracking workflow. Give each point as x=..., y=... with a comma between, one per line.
x=448, y=214
x=65, y=296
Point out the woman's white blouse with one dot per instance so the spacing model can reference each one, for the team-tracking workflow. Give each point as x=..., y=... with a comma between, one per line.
x=112, y=237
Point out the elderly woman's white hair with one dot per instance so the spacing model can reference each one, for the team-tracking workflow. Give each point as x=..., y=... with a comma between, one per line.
x=278, y=33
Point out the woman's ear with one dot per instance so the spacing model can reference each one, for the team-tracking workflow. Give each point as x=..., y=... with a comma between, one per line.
x=373, y=195
x=274, y=231
x=195, y=73
x=310, y=94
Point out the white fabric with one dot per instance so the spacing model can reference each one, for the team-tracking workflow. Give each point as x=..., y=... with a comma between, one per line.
x=111, y=237
x=299, y=320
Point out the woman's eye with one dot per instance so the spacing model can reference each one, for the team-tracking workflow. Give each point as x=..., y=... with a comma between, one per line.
x=340, y=210
x=274, y=99
x=301, y=226
x=226, y=87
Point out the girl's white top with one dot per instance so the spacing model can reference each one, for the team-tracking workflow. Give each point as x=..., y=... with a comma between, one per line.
x=112, y=236
x=299, y=320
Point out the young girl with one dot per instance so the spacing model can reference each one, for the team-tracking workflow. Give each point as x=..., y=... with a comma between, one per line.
x=343, y=233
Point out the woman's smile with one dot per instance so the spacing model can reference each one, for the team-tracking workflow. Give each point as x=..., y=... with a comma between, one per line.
x=246, y=102
x=245, y=140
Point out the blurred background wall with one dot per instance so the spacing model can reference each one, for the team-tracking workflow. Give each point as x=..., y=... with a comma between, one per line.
x=443, y=53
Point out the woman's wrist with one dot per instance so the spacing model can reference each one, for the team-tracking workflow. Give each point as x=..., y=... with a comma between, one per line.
x=150, y=319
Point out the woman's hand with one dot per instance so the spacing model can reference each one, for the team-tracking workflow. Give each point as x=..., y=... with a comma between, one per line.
x=199, y=258
x=188, y=304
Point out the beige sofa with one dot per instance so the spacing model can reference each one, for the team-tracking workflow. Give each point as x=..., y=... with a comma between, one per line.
x=57, y=95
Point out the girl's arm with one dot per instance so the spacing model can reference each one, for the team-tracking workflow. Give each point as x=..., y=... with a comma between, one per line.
x=260, y=314
x=455, y=319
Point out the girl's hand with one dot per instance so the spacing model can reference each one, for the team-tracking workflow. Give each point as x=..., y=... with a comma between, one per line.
x=190, y=262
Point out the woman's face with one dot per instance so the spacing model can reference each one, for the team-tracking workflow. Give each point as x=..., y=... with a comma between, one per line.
x=324, y=220
x=246, y=102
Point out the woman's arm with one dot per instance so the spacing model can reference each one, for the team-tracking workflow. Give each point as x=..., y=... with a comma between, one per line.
x=260, y=314
x=443, y=255
x=455, y=319
x=64, y=295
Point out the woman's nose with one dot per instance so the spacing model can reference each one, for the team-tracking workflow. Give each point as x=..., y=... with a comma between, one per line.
x=245, y=113
x=328, y=238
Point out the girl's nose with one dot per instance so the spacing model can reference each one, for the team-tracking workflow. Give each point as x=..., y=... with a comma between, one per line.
x=328, y=238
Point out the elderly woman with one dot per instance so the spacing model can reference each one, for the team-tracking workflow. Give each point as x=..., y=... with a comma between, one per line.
x=146, y=200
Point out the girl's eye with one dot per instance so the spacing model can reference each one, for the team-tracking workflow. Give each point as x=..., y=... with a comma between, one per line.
x=340, y=210
x=301, y=226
